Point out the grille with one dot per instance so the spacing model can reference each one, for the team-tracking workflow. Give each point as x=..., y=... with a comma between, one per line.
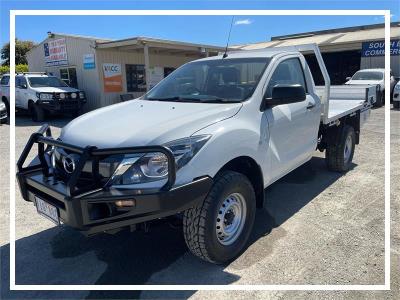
x=107, y=166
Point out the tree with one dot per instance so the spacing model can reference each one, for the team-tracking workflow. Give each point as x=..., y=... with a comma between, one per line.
x=21, y=48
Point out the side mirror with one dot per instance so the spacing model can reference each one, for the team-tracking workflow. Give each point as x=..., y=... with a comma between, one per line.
x=348, y=78
x=284, y=94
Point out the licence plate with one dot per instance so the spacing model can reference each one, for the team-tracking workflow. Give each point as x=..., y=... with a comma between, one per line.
x=47, y=210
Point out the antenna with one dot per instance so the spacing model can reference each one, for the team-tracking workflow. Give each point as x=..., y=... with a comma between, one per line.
x=227, y=42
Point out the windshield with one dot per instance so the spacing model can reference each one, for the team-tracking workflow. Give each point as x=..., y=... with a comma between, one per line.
x=219, y=80
x=46, y=81
x=367, y=75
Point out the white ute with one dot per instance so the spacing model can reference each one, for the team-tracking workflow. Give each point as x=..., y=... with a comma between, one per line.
x=205, y=142
x=41, y=94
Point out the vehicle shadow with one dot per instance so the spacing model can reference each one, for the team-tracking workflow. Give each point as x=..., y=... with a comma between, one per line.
x=23, y=119
x=61, y=255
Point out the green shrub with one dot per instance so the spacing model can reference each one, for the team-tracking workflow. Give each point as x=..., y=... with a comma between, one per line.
x=18, y=69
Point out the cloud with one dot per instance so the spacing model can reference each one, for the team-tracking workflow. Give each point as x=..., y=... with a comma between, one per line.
x=243, y=22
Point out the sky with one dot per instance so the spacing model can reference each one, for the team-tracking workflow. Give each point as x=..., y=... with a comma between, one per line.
x=211, y=30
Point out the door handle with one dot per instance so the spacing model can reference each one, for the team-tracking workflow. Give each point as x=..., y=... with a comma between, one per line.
x=310, y=105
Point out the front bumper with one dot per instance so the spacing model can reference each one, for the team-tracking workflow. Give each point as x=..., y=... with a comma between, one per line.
x=55, y=105
x=92, y=209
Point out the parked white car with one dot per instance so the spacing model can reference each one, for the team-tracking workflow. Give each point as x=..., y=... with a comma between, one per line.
x=203, y=143
x=396, y=96
x=41, y=93
x=373, y=77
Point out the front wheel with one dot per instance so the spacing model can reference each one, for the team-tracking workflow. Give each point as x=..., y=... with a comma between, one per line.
x=218, y=230
x=37, y=112
x=339, y=155
x=396, y=104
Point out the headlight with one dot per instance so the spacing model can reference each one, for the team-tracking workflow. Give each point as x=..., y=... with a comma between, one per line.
x=62, y=96
x=397, y=87
x=73, y=95
x=2, y=105
x=141, y=168
x=150, y=167
x=184, y=149
x=81, y=95
x=45, y=96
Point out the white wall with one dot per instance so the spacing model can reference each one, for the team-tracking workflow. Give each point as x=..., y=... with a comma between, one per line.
x=88, y=80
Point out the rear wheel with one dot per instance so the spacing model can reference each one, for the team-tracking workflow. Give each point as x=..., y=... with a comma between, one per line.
x=396, y=104
x=37, y=112
x=218, y=230
x=339, y=155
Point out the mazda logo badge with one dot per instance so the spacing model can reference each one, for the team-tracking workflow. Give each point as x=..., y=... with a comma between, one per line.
x=69, y=163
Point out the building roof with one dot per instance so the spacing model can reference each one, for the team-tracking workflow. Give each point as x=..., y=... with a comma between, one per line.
x=135, y=43
x=348, y=35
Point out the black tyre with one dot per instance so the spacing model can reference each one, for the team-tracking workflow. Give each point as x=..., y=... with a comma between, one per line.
x=339, y=155
x=218, y=230
x=396, y=104
x=37, y=113
x=380, y=100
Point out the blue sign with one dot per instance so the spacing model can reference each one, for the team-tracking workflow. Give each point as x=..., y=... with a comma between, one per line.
x=46, y=49
x=377, y=48
x=88, y=61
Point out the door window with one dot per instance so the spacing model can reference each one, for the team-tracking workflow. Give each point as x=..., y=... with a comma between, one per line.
x=68, y=75
x=5, y=80
x=289, y=71
x=20, y=82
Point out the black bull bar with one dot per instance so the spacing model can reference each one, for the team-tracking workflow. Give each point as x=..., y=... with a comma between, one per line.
x=76, y=201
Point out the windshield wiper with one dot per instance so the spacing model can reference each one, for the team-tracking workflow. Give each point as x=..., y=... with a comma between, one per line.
x=209, y=99
x=217, y=100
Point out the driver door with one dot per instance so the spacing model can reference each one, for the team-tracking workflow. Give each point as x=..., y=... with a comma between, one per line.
x=293, y=127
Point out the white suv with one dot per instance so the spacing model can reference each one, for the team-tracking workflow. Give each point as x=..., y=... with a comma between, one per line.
x=40, y=93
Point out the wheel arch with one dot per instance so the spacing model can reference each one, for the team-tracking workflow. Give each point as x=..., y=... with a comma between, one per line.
x=251, y=169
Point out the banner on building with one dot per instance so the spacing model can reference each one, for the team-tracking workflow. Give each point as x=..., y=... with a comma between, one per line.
x=55, y=53
x=112, y=78
x=88, y=61
x=377, y=48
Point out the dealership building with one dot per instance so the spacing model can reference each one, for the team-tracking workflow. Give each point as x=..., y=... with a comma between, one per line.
x=111, y=70
x=345, y=50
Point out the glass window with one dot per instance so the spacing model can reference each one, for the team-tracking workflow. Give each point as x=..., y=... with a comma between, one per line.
x=68, y=75
x=135, y=78
x=20, y=82
x=215, y=80
x=5, y=80
x=289, y=71
x=50, y=81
